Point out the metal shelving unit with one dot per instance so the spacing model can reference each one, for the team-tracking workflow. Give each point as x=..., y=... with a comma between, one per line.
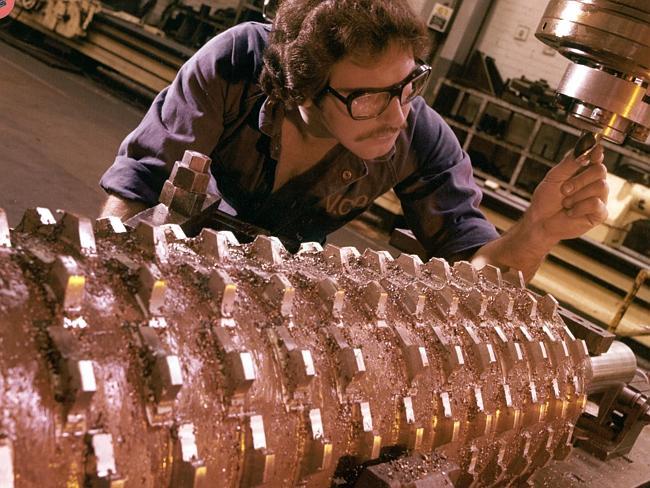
x=515, y=146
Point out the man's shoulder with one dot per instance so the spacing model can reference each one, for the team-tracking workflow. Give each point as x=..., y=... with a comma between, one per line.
x=429, y=129
x=236, y=53
x=249, y=35
x=425, y=117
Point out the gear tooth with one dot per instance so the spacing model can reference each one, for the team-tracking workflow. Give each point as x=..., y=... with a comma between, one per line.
x=536, y=352
x=109, y=226
x=464, y=271
x=438, y=268
x=5, y=234
x=167, y=378
x=152, y=239
x=239, y=365
x=446, y=428
x=453, y=358
x=477, y=303
x=268, y=249
x=152, y=289
x=189, y=469
x=502, y=305
x=280, y=293
x=375, y=298
x=521, y=458
x=332, y=295
x=174, y=233
x=319, y=449
x=411, y=435
x=259, y=461
x=511, y=351
x=415, y=299
x=413, y=352
x=369, y=440
x=515, y=278
x=411, y=264
x=548, y=307
x=483, y=351
x=37, y=220
x=334, y=255
x=351, y=363
x=217, y=244
x=78, y=231
x=446, y=301
x=68, y=283
x=101, y=468
x=309, y=248
x=377, y=260
x=526, y=304
x=6, y=463
x=492, y=274
x=182, y=201
x=300, y=362
x=224, y=290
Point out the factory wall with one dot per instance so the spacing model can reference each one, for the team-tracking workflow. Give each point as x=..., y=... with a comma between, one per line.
x=509, y=37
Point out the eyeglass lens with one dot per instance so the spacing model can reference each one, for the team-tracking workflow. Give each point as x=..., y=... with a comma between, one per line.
x=373, y=104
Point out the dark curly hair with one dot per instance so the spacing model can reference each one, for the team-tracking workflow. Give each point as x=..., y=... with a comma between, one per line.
x=309, y=36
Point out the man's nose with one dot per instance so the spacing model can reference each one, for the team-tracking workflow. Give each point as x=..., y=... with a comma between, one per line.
x=396, y=113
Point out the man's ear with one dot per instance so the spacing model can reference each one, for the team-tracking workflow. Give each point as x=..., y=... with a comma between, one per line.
x=312, y=117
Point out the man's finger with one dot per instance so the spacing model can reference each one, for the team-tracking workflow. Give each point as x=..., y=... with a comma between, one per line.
x=588, y=176
x=598, y=188
x=593, y=208
x=569, y=166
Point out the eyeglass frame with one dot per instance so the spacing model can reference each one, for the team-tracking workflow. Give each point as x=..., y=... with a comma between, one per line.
x=394, y=90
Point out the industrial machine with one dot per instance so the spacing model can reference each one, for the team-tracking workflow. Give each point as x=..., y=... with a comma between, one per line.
x=609, y=80
x=133, y=354
x=184, y=348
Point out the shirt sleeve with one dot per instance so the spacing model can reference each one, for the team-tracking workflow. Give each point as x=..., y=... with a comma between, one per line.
x=440, y=199
x=189, y=114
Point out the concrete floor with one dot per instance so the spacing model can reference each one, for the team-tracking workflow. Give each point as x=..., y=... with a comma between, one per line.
x=60, y=130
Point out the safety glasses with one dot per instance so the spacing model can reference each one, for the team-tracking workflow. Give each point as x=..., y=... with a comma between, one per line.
x=369, y=103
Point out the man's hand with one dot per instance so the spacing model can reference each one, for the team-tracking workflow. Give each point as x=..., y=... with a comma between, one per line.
x=115, y=206
x=568, y=202
x=571, y=199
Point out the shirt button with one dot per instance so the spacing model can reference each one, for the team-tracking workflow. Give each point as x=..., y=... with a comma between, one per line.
x=346, y=175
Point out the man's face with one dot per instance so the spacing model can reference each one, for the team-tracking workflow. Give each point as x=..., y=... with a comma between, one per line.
x=372, y=138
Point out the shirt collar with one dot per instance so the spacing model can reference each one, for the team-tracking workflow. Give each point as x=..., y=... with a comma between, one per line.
x=268, y=115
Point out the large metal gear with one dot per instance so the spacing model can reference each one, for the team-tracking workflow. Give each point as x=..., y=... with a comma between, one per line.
x=145, y=358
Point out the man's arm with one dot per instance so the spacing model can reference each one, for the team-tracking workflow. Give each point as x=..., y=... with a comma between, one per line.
x=189, y=114
x=115, y=206
x=567, y=203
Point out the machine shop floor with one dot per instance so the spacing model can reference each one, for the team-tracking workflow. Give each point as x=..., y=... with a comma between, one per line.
x=60, y=130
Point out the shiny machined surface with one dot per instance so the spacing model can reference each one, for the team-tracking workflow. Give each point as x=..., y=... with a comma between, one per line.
x=614, y=368
x=145, y=358
x=615, y=35
x=609, y=42
x=606, y=101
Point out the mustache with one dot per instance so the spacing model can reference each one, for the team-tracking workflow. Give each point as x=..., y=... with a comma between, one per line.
x=380, y=132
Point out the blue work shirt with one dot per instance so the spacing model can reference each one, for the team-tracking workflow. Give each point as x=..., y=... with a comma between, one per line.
x=215, y=106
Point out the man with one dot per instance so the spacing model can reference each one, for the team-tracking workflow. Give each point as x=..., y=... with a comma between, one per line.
x=308, y=122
